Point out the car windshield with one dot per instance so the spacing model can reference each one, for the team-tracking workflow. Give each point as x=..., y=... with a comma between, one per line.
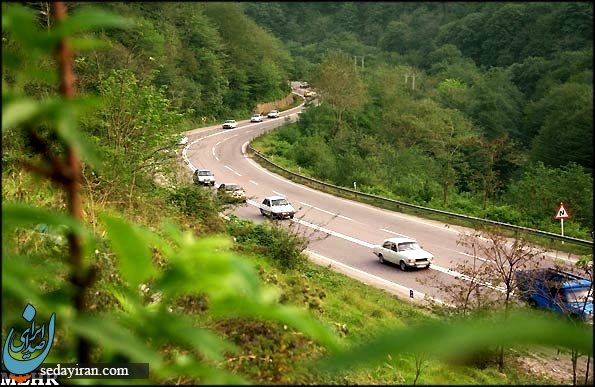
x=232, y=187
x=204, y=173
x=279, y=202
x=229, y=122
x=408, y=246
x=578, y=295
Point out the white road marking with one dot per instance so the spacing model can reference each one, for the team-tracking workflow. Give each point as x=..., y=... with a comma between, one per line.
x=228, y=167
x=325, y=211
x=470, y=255
x=394, y=233
x=253, y=182
x=238, y=174
x=213, y=151
x=463, y=276
x=278, y=193
x=333, y=233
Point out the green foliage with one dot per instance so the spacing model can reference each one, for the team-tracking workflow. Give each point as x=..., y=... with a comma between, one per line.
x=540, y=184
x=197, y=203
x=285, y=247
x=503, y=214
x=188, y=266
x=143, y=274
x=567, y=109
x=439, y=338
x=340, y=84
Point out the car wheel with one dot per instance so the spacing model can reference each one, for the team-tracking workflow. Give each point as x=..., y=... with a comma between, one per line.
x=403, y=266
x=262, y=212
x=291, y=216
x=532, y=303
x=381, y=258
x=427, y=267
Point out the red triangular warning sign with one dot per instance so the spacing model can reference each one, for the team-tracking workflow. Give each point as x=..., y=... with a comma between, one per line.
x=562, y=213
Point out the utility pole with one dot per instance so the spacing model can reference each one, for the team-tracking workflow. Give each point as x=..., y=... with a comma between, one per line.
x=355, y=62
x=413, y=75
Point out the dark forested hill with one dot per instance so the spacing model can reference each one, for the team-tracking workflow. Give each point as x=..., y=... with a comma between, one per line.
x=487, y=99
x=436, y=103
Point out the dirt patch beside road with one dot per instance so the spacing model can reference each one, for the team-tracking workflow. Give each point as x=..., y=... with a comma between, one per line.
x=553, y=365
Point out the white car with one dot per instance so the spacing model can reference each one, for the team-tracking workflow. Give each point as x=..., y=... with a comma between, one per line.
x=273, y=114
x=256, y=118
x=230, y=124
x=277, y=207
x=203, y=177
x=404, y=252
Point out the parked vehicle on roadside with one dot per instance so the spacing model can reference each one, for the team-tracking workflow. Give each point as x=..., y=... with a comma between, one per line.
x=231, y=192
x=277, y=207
x=405, y=252
x=558, y=291
x=203, y=177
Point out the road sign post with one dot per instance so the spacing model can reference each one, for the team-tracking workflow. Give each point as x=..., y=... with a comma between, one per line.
x=562, y=213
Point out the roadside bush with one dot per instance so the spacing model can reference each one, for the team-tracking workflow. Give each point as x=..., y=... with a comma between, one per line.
x=281, y=148
x=268, y=238
x=288, y=133
x=504, y=214
x=198, y=203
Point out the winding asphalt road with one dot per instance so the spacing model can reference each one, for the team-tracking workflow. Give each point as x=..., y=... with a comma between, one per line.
x=342, y=232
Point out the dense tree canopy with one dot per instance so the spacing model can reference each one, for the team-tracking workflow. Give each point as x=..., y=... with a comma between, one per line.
x=433, y=103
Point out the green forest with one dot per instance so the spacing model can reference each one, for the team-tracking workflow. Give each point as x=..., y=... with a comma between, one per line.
x=482, y=108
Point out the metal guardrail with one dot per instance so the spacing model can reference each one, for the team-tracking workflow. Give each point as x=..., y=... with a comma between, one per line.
x=472, y=219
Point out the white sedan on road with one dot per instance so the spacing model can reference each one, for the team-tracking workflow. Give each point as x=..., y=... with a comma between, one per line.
x=256, y=118
x=404, y=252
x=277, y=207
x=230, y=124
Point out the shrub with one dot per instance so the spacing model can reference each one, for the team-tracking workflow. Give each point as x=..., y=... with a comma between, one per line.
x=504, y=214
x=285, y=247
x=198, y=203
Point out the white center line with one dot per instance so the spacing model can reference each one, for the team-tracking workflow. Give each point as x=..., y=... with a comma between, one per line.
x=253, y=182
x=480, y=258
x=394, y=233
x=325, y=211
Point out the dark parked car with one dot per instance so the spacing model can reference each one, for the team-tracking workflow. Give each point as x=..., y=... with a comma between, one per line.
x=232, y=192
